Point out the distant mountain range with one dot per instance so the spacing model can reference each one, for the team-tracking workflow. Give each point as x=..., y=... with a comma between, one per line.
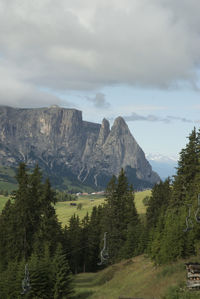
x=69, y=149
x=164, y=165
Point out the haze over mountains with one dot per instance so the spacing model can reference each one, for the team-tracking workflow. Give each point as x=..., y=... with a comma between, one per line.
x=65, y=146
x=165, y=166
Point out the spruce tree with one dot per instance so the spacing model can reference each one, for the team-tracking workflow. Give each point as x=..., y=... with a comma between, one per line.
x=41, y=284
x=188, y=167
x=63, y=278
x=94, y=238
x=120, y=215
x=49, y=229
x=84, y=242
x=75, y=244
x=159, y=201
x=7, y=250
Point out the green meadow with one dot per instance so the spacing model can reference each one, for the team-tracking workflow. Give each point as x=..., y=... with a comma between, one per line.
x=139, y=196
x=65, y=210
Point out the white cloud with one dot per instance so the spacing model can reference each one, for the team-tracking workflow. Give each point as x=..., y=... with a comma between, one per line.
x=85, y=45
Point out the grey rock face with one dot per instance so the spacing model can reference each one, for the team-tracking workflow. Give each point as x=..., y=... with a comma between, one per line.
x=62, y=143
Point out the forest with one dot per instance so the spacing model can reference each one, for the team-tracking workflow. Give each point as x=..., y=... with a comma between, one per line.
x=39, y=257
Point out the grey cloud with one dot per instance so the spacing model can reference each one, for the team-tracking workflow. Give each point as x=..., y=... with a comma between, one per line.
x=153, y=118
x=183, y=119
x=66, y=45
x=99, y=100
x=17, y=93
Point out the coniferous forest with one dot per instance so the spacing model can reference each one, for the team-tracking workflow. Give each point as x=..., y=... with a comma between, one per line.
x=36, y=250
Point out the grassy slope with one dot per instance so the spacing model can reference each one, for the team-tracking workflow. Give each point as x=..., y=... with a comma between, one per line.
x=65, y=211
x=137, y=277
x=3, y=200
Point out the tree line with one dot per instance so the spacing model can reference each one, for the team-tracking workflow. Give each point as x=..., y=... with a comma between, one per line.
x=173, y=217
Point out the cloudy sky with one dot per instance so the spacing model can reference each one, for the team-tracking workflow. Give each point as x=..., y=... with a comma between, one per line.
x=134, y=58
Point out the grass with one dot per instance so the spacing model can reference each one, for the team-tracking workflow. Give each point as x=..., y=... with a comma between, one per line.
x=65, y=211
x=3, y=200
x=134, y=278
x=139, y=196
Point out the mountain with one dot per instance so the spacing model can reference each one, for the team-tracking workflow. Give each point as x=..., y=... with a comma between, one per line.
x=70, y=149
x=165, y=166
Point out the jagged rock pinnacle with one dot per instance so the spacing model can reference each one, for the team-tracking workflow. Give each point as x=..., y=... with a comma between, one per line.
x=66, y=146
x=104, y=132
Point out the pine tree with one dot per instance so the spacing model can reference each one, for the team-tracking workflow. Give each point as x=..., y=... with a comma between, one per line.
x=120, y=215
x=84, y=242
x=49, y=229
x=6, y=235
x=159, y=201
x=40, y=278
x=22, y=229
x=75, y=244
x=94, y=238
x=63, y=279
x=188, y=167
x=8, y=283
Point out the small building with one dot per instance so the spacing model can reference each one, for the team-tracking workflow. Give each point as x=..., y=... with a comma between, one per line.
x=193, y=275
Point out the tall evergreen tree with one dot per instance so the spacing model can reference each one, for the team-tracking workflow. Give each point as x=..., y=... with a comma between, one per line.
x=184, y=186
x=84, y=242
x=63, y=279
x=120, y=215
x=49, y=229
x=159, y=201
x=94, y=238
x=75, y=244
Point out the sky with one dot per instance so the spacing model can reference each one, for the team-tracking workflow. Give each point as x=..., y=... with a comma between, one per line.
x=138, y=59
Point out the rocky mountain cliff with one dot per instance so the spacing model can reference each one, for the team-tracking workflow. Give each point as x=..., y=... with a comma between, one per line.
x=65, y=146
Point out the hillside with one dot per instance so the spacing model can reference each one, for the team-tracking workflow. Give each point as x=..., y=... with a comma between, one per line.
x=135, y=278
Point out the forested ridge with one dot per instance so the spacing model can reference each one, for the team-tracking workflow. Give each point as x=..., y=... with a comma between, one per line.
x=31, y=235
